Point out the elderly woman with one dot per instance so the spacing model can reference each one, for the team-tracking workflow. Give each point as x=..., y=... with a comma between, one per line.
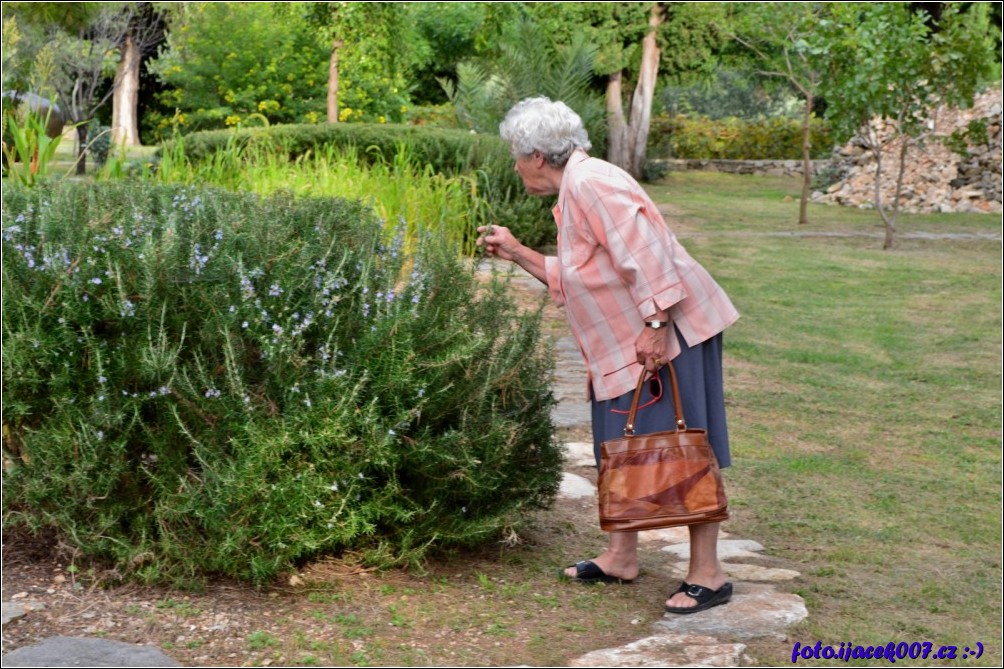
x=634, y=298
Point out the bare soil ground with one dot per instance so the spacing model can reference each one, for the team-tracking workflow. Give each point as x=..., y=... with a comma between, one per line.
x=498, y=606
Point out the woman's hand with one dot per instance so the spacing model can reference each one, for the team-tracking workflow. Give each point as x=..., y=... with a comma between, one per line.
x=498, y=241
x=652, y=347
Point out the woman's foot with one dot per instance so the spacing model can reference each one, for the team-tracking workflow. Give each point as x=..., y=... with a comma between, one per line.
x=625, y=569
x=703, y=598
x=681, y=600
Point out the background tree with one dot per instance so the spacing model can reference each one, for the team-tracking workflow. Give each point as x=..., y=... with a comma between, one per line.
x=638, y=43
x=374, y=47
x=84, y=40
x=144, y=31
x=225, y=62
x=453, y=32
x=784, y=41
x=897, y=65
x=528, y=63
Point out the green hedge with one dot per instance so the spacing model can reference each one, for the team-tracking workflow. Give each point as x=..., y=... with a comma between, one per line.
x=682, y=136
x=204, y=382
x=448, y=151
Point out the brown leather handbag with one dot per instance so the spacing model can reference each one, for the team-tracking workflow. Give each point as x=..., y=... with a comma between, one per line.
x=664, y=479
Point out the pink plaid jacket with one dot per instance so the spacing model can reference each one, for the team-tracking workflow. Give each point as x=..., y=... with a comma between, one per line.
x=617, y=263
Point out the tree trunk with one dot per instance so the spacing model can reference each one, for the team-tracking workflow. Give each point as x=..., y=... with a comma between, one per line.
x=125, y=125
x=333, y=81
x=875, y=145
x=890, y=228
x=616, y=130
x=803, y=205
x=81, y=149
x=641, y=101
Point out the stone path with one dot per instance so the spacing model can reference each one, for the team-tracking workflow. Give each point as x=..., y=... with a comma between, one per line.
x=713, y=638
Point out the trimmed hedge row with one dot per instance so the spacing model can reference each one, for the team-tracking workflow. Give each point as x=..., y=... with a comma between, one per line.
x=735, y=139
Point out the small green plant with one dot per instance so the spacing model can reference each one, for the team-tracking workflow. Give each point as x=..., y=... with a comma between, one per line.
x=181, y=608
x=498, y=629
x=485, y=582
x=28, y=159
x=397, y=618
x=327, y=597
x=261, y=640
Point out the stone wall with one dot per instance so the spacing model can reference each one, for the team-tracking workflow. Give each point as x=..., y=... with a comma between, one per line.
x=936, y=178
x=788, y=168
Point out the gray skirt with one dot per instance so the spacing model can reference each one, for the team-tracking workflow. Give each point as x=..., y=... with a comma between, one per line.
x=699, y=374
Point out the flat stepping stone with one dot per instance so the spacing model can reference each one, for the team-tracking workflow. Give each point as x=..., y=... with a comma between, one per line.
x=728, y=548
x=670, y=535
x=754, y=572
x=12, y=611
x=579, y=454
x=756, y=611
x=572, y=414
x=63, y=651
x=673, y=535
x=739, y=571
x=670, y=650
x=574, y=486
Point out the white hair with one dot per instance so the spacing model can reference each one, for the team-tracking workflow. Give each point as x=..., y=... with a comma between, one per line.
x=552, y=128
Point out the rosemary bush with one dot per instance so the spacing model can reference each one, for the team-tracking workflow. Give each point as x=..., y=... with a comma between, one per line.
x=204, y=382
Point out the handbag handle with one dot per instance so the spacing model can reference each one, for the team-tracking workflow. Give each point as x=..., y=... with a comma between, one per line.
x=681, y=423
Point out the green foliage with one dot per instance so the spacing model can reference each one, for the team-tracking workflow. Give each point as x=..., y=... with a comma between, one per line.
x=731, y=93
x=225, y=61
x=615, y=28
x=398, y=187
x=203, y=382
x=735, y=139
x=100, y=142
x=976, y=133
x=884, y=61
x=28, y=157
x=530, y=64
x=449, y=152
x=451, y=31
x=379, y=48
x=11, y=37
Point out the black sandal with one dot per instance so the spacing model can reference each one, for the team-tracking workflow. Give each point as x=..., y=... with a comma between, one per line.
x=588, y=571
x=705, y=597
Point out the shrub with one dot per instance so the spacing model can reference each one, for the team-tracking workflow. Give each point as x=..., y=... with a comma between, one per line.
x=204, y=382
x=449, y=152
x=100, y=142
x=735, y=139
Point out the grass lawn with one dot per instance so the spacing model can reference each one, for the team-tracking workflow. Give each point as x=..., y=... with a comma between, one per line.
x=864, y=389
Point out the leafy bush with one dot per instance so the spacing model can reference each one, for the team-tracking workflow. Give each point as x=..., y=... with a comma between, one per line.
x=449, y=152
x=735, y=139
x=735, y=93
x=204, y=382
x=100, y=143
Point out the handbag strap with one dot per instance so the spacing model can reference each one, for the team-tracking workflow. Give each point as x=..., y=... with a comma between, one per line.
x=681, y=423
